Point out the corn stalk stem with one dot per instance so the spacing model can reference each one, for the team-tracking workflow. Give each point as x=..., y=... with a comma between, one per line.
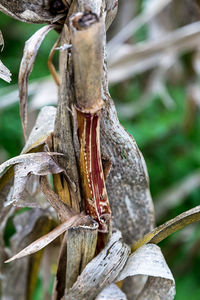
x=87, y=53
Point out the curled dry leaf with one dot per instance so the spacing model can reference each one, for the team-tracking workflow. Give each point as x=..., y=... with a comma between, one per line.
x=30, y=51
x=163, y=231
x=111, y=292
x=29, y=11
x=51, y=236
x=40, y=164
x=101, y=271
x=25, y=166
x=148, y=260
x=4, y=72
x=43, y=128
x=111, y=11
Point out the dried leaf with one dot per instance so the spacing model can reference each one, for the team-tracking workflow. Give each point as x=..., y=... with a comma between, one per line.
x=26, y=191
x=77, y=250
x=111, y=292
x=29, y=225
x=1, y=40
x=25, y=166
x=63, y=211
x=4, y=73
x=81, y=247
x=163, y=231
x=101, y=271
x=111, y=11
x=49, y=237
x=40, y=163
x=30, y=12
x=59, y=283
x=43, y=128
x=29, y=194
x=148, y=260
x=157, y=288
x=49, y=259
x=43, y=226
x=132, y=286
x=30, y=51
x=6, y=182
x=61, y=188
x=5, y=213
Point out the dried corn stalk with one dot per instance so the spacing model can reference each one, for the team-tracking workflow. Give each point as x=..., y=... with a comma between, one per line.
x=80, y=149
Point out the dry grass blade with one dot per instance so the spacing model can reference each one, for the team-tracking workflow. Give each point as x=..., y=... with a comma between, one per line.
x=30, y=51
x=4, y=72
x=163, y=231
x=49, y=237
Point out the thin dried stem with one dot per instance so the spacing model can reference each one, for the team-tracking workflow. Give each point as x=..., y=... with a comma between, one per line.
x=51, y=65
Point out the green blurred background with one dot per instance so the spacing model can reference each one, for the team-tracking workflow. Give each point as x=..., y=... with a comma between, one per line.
x=168, y=138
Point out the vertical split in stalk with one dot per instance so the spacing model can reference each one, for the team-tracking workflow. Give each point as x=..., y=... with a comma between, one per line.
x=87, y=49
x=91, y=170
